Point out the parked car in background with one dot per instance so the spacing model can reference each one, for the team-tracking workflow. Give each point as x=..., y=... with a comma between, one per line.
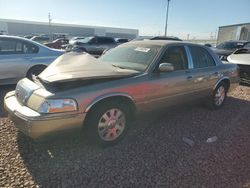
x=20, y=57
x=226, y=48
x=93, y=45
x=58, y=43
x=40, y=39
x=104, y=94
x=241, y=57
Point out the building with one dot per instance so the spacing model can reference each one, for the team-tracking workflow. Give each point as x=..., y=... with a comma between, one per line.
x=234, y=32
x=22, y=28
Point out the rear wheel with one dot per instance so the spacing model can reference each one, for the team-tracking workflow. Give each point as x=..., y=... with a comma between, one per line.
x=108, y=123
x=35, y=71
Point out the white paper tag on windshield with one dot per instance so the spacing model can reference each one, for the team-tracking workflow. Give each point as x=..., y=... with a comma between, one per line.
x=141, y=49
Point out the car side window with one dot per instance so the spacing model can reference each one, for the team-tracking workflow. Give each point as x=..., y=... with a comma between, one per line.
x=176, y=55
x=104, y=40
x=29, y=48
x=10, y=47
x=201, y=57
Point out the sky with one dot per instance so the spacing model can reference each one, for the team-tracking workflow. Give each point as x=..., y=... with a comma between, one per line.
x=198, y=18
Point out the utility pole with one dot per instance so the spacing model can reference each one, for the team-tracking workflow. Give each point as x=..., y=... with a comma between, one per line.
x=166, y=26
x=49, y=16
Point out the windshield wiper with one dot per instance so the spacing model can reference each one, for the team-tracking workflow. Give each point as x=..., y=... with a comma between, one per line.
x=118, y=66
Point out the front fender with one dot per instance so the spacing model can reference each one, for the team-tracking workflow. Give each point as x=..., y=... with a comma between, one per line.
x=106, y=96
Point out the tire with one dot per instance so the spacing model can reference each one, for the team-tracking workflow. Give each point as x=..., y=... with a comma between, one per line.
x=218, y=97
x=36, y=70
x=108, y=123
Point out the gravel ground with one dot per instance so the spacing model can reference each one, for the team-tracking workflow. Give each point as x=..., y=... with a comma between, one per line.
x=151, y=155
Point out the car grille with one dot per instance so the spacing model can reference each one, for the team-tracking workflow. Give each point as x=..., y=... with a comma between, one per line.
x=24, y=89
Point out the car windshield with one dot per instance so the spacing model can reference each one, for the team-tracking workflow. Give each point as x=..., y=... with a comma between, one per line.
x=131, y=57
x=229, y=45
x=247, y=46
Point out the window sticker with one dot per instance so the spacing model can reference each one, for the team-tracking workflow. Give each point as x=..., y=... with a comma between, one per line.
x=141, y=49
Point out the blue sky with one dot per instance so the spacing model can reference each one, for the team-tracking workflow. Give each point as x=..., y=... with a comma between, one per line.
x=199, y=18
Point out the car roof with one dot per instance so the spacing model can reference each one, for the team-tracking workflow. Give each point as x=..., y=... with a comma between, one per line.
x=13, y=37
x=158, y=42
x=23, y=39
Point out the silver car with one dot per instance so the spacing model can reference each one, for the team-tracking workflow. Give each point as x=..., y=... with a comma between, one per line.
x=93, y=45
x=20, y=57
x=104, y=94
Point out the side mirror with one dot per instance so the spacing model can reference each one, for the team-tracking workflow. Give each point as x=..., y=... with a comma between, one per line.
x=166, y=67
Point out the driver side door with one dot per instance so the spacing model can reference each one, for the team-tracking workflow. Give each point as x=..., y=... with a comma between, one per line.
x=175, y=86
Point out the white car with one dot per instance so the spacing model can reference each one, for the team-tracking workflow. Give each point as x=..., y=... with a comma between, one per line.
x=241, y=57
x=20, y=57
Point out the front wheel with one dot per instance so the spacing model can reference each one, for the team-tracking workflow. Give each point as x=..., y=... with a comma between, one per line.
x=108, y=123
x=219, y=96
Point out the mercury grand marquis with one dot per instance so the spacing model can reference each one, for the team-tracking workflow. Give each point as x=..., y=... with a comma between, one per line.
x=104, y=94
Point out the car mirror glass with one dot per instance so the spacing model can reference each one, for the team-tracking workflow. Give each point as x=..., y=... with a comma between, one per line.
x=166, y=67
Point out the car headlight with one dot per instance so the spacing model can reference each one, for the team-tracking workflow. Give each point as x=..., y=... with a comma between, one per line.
x=58, y=105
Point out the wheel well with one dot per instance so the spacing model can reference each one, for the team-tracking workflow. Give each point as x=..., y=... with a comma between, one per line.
x=40, y=65
x=227, y=83
x=120, y=99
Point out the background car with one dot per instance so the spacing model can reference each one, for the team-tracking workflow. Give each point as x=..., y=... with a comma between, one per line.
x=41, y=39
x=241, y=57
x=93, y=45
x=57, y=44
x=20, y=57
x=226, y=48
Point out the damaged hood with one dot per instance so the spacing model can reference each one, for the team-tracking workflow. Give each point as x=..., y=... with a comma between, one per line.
x=81, y=66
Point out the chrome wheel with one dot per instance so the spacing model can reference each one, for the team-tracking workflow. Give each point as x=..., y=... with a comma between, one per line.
x=111, y=124
x=220, y=96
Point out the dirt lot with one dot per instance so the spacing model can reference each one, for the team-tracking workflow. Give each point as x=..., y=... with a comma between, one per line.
x=151, y=155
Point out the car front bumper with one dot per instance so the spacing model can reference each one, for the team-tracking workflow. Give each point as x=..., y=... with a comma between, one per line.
x=36, y=125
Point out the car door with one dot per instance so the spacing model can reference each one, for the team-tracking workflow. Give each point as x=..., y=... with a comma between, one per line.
x=14, y=60
x=205, y=73
x=171, y=87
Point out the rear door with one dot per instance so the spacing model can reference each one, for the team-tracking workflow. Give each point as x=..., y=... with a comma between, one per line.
x=205, y=73
x=15, y=57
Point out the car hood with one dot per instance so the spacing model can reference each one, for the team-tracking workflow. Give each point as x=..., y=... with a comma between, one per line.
x=81, y=66
x=240, y=59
